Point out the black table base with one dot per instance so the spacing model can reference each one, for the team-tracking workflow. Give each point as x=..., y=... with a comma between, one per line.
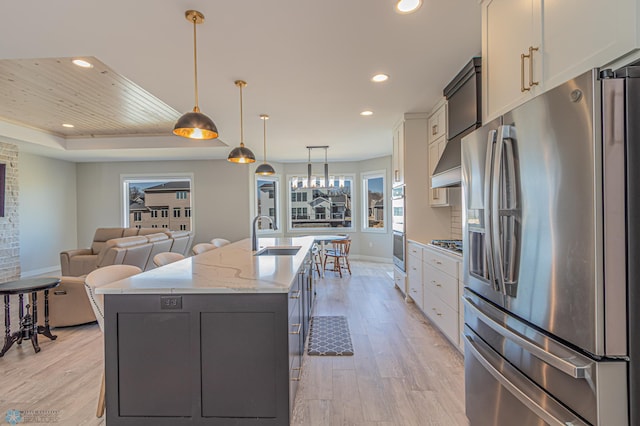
x=29, y=328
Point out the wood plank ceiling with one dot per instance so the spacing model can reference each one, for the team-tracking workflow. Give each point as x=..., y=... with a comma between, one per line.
x=46, y=93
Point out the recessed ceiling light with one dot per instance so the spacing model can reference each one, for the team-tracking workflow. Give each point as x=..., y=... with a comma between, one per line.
x=68, y=125
x=378, y=78
x=408, y=6
x=82, y=63
x=366, y=113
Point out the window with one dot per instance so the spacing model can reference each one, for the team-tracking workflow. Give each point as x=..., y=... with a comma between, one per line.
x=183, y=227
x=321, y=207
x=298, y=196
x=373, y=201
x=148, y=198
x=299, y=213
x=267, y=201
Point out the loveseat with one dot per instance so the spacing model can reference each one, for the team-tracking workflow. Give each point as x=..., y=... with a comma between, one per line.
x=130, y=246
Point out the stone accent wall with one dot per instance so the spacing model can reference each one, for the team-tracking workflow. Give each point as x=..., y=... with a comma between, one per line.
x=9, y=224
x=456, y=222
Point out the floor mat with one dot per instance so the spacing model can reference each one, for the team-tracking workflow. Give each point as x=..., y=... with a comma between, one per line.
x=329, y=335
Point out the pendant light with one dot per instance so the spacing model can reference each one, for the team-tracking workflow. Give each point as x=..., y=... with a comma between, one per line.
x=195, y=125
x=265, y=168
x=312, y=181
x=241, y=154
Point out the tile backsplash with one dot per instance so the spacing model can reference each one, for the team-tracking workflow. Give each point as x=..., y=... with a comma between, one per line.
x=456, y=222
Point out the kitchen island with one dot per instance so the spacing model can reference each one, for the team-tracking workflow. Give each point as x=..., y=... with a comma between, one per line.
x=213, y=339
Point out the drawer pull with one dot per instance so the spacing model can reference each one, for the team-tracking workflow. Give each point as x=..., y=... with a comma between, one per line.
x=298, y=330
x=296, y=293
x=60, y=292
x=296, y=379
x=438, y=262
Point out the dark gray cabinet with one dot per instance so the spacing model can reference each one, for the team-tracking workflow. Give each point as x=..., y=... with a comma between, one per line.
x=218, y=359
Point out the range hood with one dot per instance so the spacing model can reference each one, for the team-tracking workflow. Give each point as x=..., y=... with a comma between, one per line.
x=464, y=116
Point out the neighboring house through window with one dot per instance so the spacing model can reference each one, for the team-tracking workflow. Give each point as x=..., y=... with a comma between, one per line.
x=145, y=195
x=321, y=208
x=373, y=200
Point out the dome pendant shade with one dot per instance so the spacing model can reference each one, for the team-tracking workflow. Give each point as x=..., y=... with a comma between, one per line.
x=241, y=154
x=195, y=125
x=265, y=169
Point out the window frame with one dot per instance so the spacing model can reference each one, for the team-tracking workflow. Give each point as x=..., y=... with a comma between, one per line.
x=351, y=177
x=277, y=204
x=129, y=178
x=365, y=177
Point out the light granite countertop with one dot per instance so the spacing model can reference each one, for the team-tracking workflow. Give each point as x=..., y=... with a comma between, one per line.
x=229, y=269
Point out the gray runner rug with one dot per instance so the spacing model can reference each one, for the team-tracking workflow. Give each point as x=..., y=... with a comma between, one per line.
x=330, y=336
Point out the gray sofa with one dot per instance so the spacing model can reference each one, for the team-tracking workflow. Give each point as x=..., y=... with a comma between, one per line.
x=129, y=246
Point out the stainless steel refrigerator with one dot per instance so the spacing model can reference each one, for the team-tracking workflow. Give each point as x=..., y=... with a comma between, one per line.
x=551, y=229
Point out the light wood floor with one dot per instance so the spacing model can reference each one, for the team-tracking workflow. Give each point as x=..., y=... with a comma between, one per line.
x=403, y=372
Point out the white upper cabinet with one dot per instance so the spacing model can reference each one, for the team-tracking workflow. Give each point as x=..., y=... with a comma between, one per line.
x=398, y=155
x=438, y=123
x=530, y=46
x=509, y=29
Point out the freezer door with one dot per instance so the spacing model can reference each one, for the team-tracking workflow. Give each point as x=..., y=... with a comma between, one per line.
x=594, y=391
x=553, y=270
x=477, y=161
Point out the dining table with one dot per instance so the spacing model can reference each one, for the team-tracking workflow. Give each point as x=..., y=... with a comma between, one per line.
x=323, y=239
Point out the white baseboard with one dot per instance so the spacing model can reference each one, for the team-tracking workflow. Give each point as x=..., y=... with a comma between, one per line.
x=370, y=258
x=51, y=270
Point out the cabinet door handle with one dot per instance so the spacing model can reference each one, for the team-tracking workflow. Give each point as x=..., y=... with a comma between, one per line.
x=522, y=88
x=396, y=175
x=295, y=295
x=298, y=330
x=434, y=129
x=436, y=194
x=530, y=56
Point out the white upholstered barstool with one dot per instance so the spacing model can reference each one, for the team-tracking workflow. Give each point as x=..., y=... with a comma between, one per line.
x=98, y=278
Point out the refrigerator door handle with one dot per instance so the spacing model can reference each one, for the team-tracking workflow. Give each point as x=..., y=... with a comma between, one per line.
x=567, y=367
x=510, y=211
x=491, y=139
x=521, y=391
x=495, y=211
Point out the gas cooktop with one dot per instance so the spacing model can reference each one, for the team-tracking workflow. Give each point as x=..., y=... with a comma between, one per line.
x=451, y=245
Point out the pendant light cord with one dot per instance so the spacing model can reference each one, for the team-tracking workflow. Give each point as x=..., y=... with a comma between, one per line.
x=195, y=63
x=265, y=140
x=241, y=124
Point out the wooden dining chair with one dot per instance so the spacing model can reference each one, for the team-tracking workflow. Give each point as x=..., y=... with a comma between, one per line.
x=316, y=257
x=339, y=256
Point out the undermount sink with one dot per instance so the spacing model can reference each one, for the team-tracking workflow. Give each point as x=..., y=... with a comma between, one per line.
x=278, y=251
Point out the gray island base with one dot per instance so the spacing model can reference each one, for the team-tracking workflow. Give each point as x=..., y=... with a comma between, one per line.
x=207, y=354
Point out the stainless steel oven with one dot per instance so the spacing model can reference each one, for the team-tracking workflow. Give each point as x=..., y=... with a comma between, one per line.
x=397, y=224
x=399, y=249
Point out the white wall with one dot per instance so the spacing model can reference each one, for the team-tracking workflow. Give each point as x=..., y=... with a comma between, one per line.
x=219, y=193
x=47, y=212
